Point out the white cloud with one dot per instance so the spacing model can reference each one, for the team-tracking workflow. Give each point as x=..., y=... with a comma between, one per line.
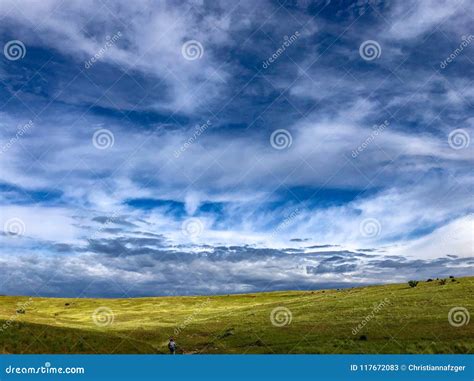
x=151, y=41
x=41, y=223
x=410, y=19
x=455, y=238
x=407, y=176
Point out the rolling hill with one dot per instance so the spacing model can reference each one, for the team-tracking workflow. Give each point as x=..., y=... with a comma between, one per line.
x=429, y=318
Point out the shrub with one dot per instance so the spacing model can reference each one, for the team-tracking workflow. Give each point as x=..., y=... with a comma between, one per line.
x=228, y=332
x=442, y=281
x=429, y=280
x=413, y=283
x=259, y=343
x=451, y=276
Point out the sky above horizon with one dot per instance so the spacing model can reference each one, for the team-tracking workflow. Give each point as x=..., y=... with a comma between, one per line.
x=206, y=147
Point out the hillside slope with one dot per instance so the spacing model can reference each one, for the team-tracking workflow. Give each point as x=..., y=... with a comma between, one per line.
x=377, y=319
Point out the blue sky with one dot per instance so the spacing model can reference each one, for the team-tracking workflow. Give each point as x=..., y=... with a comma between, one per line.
x=166, y=148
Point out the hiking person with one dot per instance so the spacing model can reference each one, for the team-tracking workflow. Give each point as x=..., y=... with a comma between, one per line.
x=172, y=346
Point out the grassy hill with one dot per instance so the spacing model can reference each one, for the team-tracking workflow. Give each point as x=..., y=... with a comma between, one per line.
x=378, y=319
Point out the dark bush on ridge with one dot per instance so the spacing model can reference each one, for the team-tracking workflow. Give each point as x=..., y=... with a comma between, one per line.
x=413, y=283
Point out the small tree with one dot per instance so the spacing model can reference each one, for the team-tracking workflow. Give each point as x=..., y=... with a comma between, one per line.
x=413, y=283
x=442, y=281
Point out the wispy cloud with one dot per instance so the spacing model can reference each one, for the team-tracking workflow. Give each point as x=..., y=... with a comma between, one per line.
x=101, y=195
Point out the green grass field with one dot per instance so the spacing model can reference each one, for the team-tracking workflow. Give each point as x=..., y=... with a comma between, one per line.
x=398, y=319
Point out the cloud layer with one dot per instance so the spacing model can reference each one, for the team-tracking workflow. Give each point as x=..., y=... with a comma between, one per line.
x=210, y=147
